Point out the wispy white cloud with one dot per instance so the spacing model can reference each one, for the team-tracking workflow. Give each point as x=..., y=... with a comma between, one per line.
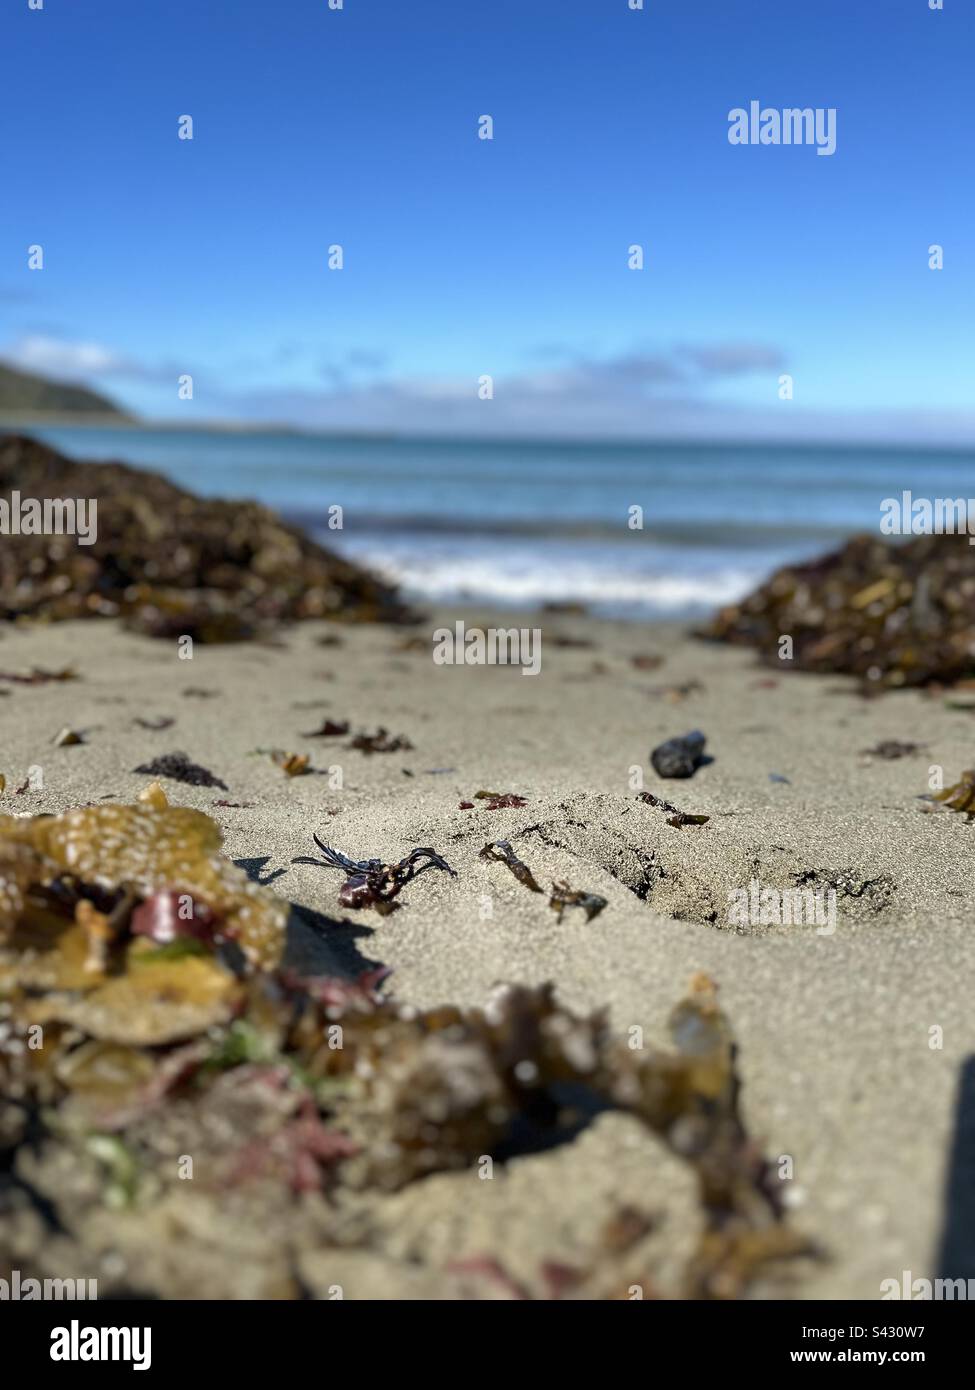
x=634, y=395
x=82, y=361
x=52, y=356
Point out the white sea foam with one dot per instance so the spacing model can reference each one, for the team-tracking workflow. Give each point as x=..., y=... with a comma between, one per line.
x=515, y=581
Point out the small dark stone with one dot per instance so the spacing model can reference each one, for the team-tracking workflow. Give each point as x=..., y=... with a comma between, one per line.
x=679, y=757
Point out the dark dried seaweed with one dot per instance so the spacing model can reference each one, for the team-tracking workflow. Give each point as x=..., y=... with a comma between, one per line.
x=501, y=850
x=372, y=882
x=891, y=748
x=331, y=728
x=379, y=742
x=178, y=768
x=677, y=818
x=563, y=896
x=170, y=563
x=892, y=614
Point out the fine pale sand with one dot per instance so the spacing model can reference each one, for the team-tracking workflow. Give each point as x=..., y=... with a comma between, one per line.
x=837, y=1050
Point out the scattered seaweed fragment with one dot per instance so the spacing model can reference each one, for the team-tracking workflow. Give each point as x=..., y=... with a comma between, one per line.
x=373, y=882
x=960, y=797
x=380, y=742
x=656, y=801
x=67, y=738
x=331, y=728
x=153, y=795
x=498, y=801
x=676, y=694
x=679, y=757
x=891, y=748
x=501, y=850
x=291, y=764
x=39, y=675
x=563, y=896
x=675, y=817
x=178, y=768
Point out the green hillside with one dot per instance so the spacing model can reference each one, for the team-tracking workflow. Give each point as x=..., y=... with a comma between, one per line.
x=22, y=391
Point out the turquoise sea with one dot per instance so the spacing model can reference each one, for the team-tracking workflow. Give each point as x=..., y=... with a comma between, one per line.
x=525, y=522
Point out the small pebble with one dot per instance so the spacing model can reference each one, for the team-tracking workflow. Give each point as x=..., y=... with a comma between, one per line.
x=679, y=757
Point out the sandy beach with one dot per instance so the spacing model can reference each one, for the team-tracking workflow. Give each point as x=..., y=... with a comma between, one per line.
x=840, y=1066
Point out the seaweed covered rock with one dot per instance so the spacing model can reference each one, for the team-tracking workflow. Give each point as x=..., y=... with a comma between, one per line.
x=892, y=614
x=168, y=562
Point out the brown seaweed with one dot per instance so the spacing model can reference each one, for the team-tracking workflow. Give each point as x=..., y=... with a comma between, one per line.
x=178, y=768
x=169, y=563
x=68, y=738
x=161, y=1049
x=331, y=728
x=501, y=850
x=960, y=797
x=563, y=896
x=498, y=801
x=677, y=818
x=291, y=764
x=379, y=742
x=372, y=882
x=113, y=850
x=893, y=614
x=891, y=748
x=38, y=675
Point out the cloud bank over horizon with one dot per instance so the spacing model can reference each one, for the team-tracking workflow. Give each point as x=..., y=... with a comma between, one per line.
x=685, y=391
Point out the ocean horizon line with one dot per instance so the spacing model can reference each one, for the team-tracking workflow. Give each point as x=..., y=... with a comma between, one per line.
x=17, y=422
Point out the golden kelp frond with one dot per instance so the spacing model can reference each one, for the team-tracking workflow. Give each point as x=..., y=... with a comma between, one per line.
x=104, y=850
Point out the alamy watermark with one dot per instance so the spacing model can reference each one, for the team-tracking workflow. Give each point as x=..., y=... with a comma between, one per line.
x=924, y=1290
x=50, y=516
x=792, y=125
x=17, y=1289
x=77, y=1343
x=493, y=646
x=908, y=515
x=756, y=906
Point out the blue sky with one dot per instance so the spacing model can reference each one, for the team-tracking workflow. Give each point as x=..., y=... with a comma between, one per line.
x=508, y=257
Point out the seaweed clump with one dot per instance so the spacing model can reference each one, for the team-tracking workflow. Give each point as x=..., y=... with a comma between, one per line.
x=170, y=563
x=56, y=872
x=892, y=614
x=114, y=927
